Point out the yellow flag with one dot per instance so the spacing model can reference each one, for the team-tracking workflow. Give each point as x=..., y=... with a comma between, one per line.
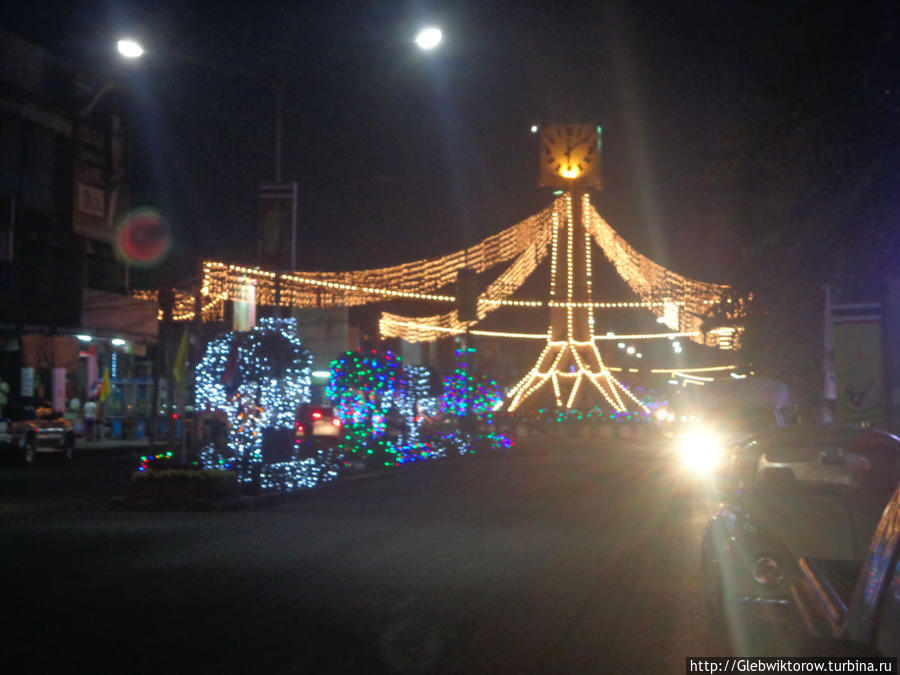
x=105, y=389
x=178, y=370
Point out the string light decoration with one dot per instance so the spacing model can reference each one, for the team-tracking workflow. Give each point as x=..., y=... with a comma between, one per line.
x=379, y=401
x=705, y=369
x=570, y=364
x=182, y=308
x=470, y=400
x=416, y=404
x=684, y=301
x=428, y=329
x=678, y=301
x=257, y=379
x=465, y=393
x=415, y=280
x=533, y=336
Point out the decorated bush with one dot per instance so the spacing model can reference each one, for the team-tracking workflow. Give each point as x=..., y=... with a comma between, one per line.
x=256, y=379
x=379, y=400
x=470, y=401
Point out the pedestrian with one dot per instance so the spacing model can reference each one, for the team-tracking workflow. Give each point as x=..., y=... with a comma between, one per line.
x=90, y=419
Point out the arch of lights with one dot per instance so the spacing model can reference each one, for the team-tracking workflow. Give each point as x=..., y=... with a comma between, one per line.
x=565, y=231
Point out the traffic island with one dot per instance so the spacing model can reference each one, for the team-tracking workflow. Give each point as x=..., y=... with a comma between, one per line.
x=185, y=488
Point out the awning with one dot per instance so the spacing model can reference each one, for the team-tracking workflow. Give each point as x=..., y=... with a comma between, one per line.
x=105, y=314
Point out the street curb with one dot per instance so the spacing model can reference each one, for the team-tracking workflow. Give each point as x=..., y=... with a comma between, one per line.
x=126, y=503
x=240, y=502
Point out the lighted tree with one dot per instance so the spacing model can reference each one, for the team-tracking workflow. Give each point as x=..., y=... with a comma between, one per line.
x=363, y=387
x=472, y=399
x=466, y=394
x=381, y=403
x=257, y=379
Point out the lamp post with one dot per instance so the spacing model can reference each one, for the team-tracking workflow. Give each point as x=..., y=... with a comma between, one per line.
x=128, y=49
x=428, y=38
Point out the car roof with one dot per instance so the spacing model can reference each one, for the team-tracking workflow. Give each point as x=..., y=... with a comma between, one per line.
x=818, y=433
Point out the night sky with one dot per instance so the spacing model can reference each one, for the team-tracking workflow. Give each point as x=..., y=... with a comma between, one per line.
x=402, y=154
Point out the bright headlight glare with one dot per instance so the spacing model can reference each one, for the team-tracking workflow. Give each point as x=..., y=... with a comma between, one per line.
x=700, y=450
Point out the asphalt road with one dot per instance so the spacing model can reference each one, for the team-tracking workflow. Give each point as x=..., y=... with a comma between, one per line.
x=561, y=558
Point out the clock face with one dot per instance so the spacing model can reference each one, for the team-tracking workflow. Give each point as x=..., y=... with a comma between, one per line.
x=570, y=153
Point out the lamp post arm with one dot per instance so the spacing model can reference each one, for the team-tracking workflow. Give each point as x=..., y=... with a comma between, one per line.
x=101, y=92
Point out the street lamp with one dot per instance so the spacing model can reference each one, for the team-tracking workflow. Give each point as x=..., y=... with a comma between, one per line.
x=130, y=49
x=429, y=37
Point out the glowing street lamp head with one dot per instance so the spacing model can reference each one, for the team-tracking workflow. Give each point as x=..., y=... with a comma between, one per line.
x=130, y=49
x=429, y=37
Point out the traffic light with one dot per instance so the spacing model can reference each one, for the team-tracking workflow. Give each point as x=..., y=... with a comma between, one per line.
x=467, y=295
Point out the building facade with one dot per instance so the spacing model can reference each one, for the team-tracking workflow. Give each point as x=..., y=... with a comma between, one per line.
x=66, y=317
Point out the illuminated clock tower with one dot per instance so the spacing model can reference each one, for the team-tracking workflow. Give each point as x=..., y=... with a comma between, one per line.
x=570, y=365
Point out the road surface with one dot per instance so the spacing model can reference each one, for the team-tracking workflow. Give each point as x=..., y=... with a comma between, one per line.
x=564, y=557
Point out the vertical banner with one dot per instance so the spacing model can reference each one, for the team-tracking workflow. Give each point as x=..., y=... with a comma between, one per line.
x=859, y=368
x=26, y=380
x=244, y=315
x=93, y=375
x=278, y=226
x=59, y=389
x=98, y=173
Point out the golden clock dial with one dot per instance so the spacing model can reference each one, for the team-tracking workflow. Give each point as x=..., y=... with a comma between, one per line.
x=570, y=156
x=569, y=150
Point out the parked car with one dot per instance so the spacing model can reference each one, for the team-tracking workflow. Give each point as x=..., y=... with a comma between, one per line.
x=855, y=610
x=35, y=430
x=791, y=494
x=317, y=426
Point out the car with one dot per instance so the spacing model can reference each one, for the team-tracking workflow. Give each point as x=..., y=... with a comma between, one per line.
x=32, y=431
x=805, y=492
x=855, y=610
x=317, y=426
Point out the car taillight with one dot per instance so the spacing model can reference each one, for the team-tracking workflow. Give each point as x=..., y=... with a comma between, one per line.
x=300, y=428
x=317, y=415
x=336, y=422
x=768, y=571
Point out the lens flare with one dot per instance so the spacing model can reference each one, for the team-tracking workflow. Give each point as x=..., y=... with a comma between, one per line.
x=701, y=451
x=144, y=238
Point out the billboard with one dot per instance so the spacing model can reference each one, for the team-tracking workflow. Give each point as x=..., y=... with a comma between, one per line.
x=326, y=333
x=278, y=226
x=98, y=191
x=859, y=367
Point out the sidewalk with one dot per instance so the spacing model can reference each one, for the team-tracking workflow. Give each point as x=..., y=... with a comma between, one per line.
x=115, y=445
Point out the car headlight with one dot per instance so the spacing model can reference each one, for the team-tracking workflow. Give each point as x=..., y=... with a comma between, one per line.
x=701, y=451
x=768, y=571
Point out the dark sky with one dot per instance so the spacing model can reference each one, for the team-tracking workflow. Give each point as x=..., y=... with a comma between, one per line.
x=401, y=154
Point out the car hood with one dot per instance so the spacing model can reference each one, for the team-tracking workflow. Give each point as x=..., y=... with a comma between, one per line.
x=837, y=527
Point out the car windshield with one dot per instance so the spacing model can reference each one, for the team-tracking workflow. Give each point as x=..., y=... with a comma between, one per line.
x=853, y=465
